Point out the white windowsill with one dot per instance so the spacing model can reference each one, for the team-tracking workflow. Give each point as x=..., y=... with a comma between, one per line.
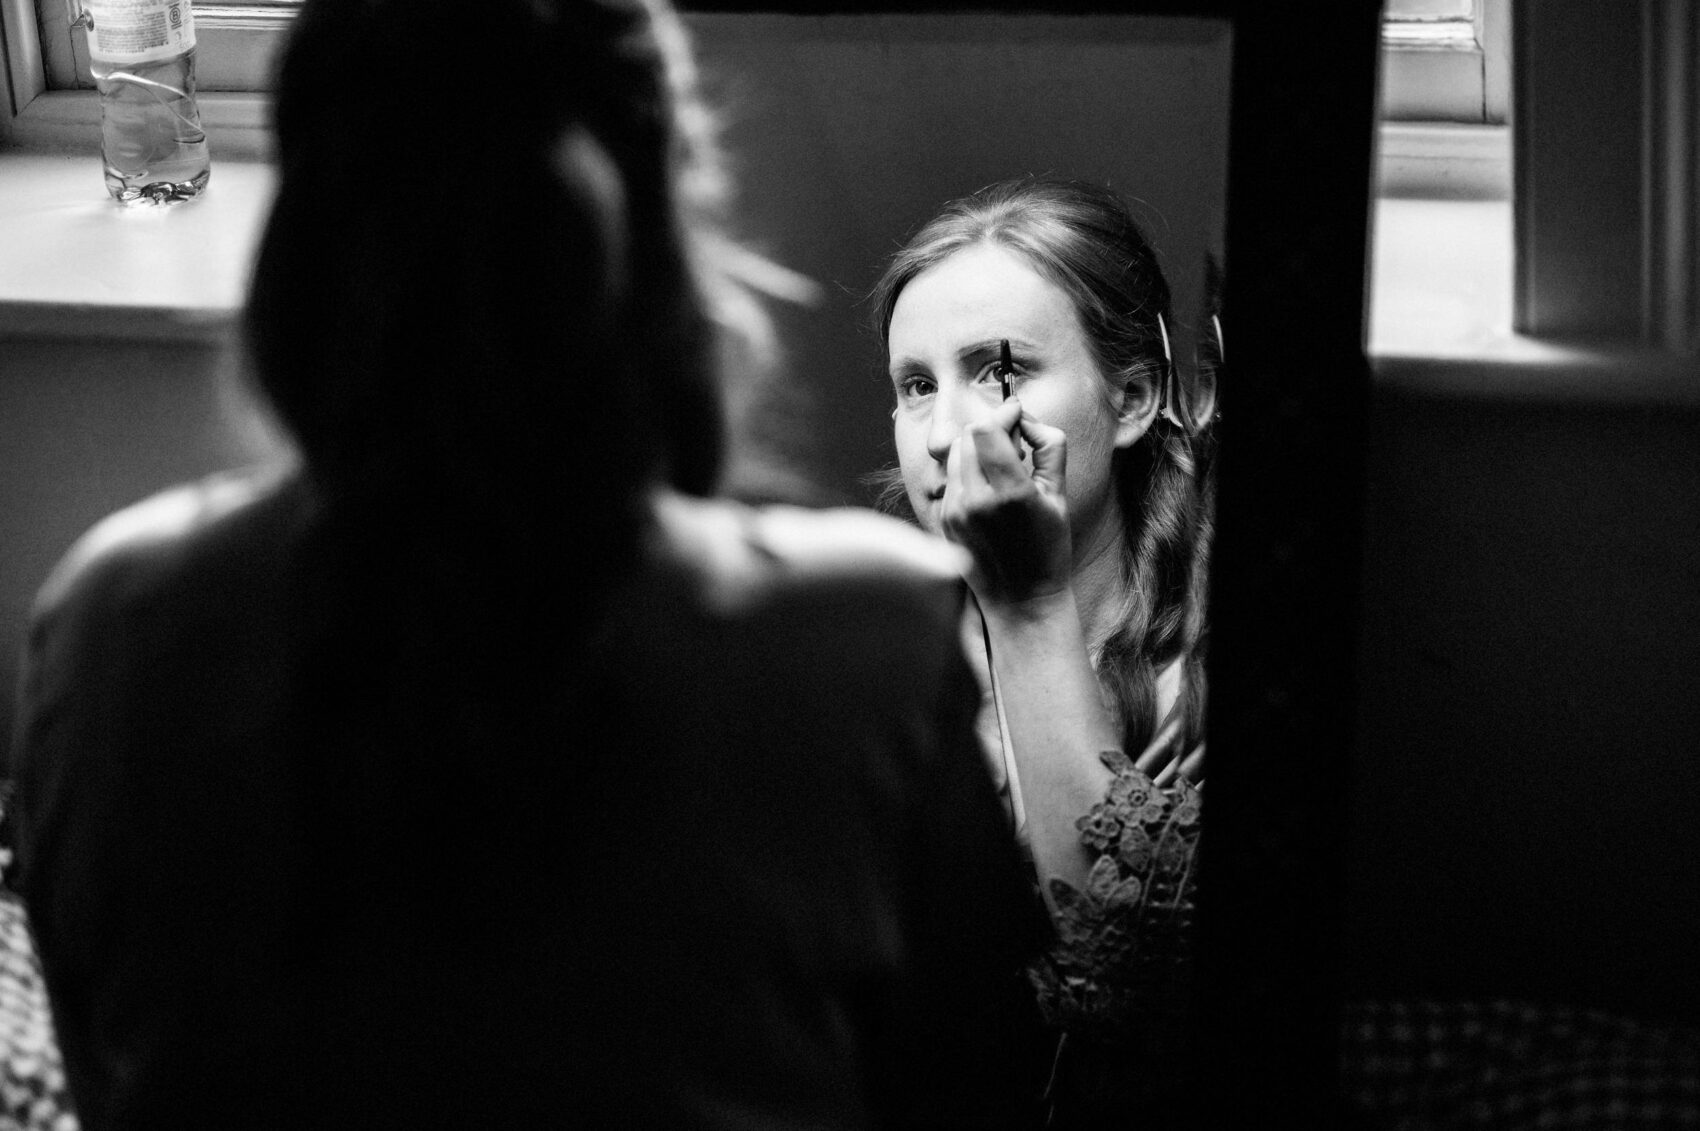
x=1440, y=319
x=1440, y=279
x=1443, y=161
x=76, y=264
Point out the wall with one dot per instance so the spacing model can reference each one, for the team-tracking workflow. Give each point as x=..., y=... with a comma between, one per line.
x=87, y=427
x=1527, y=786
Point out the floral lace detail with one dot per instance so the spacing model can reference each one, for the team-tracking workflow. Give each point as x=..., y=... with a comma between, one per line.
x=1121, y=967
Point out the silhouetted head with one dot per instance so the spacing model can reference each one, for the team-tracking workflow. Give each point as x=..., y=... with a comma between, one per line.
x=480, y=281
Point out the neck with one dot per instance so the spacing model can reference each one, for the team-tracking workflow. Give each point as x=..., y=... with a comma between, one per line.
x=1097, y=579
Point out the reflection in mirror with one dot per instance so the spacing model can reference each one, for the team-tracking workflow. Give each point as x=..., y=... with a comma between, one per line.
x=848, y=132
x=1017, y=224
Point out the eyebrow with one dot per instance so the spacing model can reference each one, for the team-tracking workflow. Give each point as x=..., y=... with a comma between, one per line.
x=900, y=366
x=992, y=346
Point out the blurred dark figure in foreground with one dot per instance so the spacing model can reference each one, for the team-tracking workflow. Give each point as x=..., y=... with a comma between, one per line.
x=478, y=768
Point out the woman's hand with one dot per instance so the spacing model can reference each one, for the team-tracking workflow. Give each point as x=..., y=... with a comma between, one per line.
x=1014, y=523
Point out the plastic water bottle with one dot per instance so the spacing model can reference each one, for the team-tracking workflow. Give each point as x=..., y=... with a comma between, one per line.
x=142, y=55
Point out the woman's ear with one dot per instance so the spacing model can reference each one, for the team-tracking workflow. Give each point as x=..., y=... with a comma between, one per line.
x=1137, y=410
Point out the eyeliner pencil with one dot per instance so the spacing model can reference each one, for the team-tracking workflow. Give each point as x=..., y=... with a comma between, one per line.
x=1006, y=367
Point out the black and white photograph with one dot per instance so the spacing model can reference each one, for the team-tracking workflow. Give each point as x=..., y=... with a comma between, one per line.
x=845, y=564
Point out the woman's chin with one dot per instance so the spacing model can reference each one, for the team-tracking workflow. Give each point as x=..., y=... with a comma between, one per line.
x=927, y=513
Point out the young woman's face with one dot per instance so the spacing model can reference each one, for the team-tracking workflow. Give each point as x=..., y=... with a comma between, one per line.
x=943, y=348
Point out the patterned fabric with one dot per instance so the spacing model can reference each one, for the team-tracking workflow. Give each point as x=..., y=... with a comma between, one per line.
x=1118, y=980
x=33, y=1096
x=1422, y=1065
x=1121, y=967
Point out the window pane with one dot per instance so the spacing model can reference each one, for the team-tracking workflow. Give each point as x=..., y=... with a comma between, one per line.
x=238, y=42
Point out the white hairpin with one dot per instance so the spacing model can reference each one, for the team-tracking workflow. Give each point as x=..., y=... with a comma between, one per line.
x=1168, y=403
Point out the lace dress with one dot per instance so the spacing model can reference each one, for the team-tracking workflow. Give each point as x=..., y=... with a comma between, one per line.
x=1116, y=984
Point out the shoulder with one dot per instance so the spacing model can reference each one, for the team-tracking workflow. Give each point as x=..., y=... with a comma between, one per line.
x=168, y=538
x=852, y=543
x=862, y=581
x=790, y=546
x=136, y=654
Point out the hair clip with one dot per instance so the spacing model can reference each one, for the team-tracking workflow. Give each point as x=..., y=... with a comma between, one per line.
x=1168, y=396
x=1171, y=404
x=1213, y=371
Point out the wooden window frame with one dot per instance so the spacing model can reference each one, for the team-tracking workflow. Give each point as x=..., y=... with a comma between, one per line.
x=1460, y=79
x=1606, y=172
x=49, y=105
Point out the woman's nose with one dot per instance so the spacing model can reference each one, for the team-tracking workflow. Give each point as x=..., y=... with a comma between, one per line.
x=955, y=407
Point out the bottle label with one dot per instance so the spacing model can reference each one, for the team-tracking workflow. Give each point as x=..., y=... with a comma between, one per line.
x=139, y=31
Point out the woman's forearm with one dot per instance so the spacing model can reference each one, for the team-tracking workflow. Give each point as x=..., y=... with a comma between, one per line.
x=1056, y=722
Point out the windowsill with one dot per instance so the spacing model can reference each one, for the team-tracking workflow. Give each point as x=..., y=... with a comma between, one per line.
x=1440, y=279
x=1440, y=319
x=79, y=265
x=1443, y=161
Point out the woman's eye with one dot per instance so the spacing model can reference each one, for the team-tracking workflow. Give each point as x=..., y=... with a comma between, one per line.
x=912, y=388
x=994, y=371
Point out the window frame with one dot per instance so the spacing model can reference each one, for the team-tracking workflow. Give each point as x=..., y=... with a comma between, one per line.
x=1607, y=197
x=239, y=44
x=1445, y=105
x=1427, y=91
x=234, y=106
x=1460, y=79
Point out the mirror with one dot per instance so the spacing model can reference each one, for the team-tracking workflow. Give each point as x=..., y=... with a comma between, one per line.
x=847, y=133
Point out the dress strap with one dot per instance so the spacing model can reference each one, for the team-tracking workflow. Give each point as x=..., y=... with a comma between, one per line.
x=1018, y=811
